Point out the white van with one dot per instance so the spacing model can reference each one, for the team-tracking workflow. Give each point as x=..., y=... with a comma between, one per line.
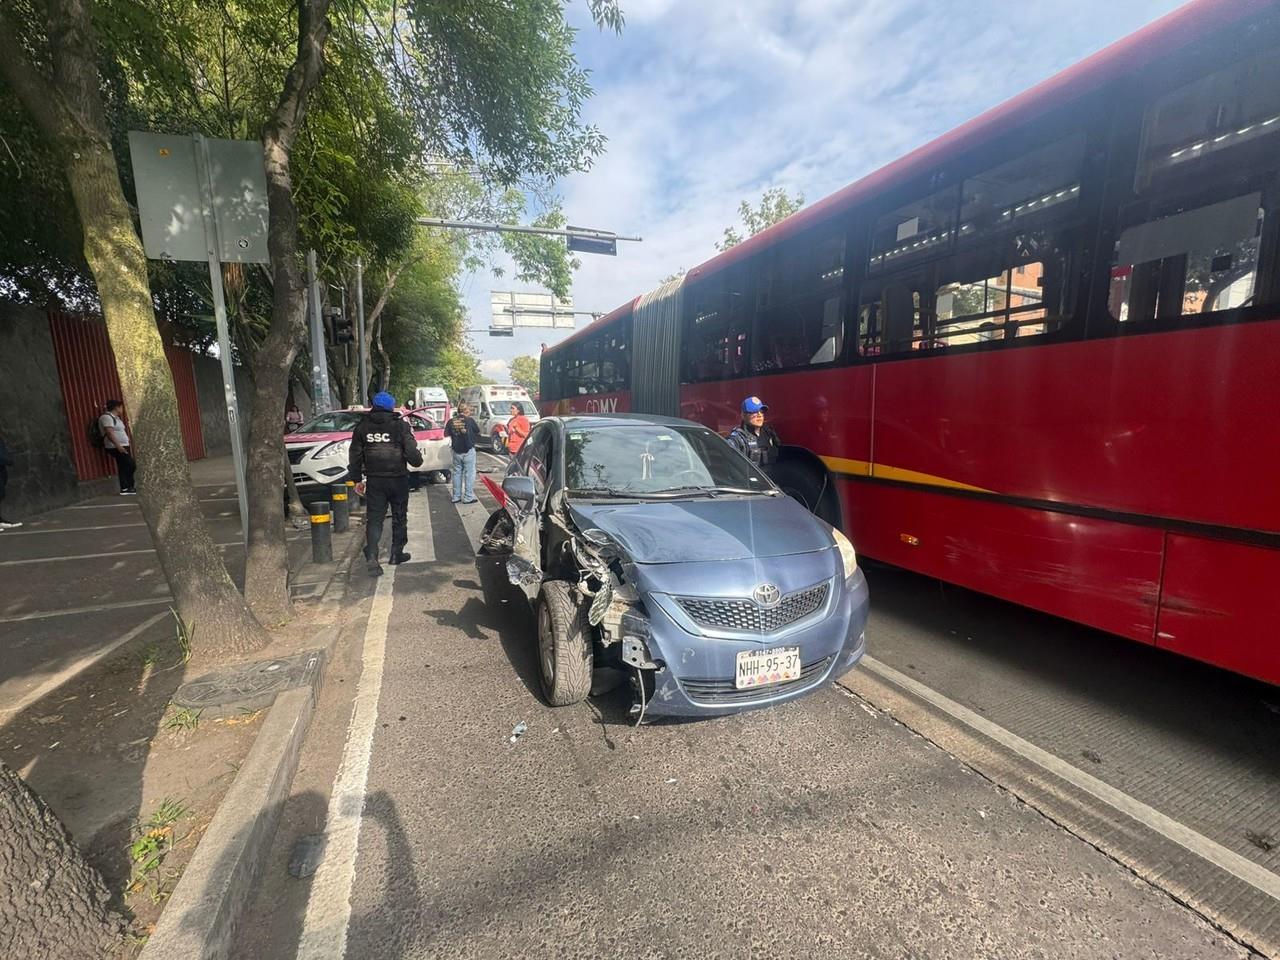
x=491, y=408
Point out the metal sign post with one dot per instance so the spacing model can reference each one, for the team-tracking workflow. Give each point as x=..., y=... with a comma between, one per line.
x=364, y=373
x=205, y=201
x=224, y=334
x=319, y=359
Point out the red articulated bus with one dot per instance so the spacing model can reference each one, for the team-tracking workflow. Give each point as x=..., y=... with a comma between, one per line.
x=1038, y=357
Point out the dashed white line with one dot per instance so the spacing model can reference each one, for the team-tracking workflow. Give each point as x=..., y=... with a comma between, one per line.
x=1233, y=863
x=324, y=928
x=421, y=546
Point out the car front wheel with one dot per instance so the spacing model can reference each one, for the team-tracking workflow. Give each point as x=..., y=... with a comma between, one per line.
x=564, y=645
x=499, y=443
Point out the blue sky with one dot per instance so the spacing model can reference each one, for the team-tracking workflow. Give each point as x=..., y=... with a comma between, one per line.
x=710, y=102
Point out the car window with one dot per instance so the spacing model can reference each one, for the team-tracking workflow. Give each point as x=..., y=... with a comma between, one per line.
x=653, y=458
x=417, y=424
x=535, y=456
x=337, y=421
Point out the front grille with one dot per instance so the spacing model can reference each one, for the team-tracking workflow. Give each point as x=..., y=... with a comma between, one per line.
x=746, y=616
x=297, y=453
x=724, y=691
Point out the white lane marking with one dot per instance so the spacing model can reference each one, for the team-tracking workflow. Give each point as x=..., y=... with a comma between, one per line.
x=72, y=611
x=324, y=928
x=422, y=544
x=474, y=516
x=1233, y=863
x=102, y=506
x=31, y=533
x=84, y=663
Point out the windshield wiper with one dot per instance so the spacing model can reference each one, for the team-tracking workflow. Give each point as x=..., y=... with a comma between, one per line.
x=746, y=491
x=599, y=492
x=675, y=493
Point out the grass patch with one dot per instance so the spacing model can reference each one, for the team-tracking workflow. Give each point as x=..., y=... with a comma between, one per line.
x=182, y=718
x=153, y=840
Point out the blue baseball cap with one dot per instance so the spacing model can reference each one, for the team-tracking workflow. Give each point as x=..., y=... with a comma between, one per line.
x=753, y=405
x=384, y=401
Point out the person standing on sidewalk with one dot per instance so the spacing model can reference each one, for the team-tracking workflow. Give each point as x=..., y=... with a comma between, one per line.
x=382, y=450
x=463, y=434
x=6, y=461
x=115, y=440
x=517, y=429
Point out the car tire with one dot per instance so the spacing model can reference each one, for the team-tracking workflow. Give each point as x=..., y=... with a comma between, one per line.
x=565, y=655
x=498, y=443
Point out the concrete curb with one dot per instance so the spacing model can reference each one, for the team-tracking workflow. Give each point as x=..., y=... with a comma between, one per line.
x=201, y=917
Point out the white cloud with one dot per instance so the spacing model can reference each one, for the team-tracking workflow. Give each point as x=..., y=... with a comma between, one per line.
x=495, y=369
x=707, y=104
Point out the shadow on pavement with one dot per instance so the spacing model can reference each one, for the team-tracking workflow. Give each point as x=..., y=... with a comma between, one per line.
x=1192, y=701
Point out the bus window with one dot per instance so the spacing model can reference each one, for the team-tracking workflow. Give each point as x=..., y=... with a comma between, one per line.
x=799, y=318
x=716, y=318
x=1229, y=118
x=914, y=231
x=1195, y=262
x=1042, y=184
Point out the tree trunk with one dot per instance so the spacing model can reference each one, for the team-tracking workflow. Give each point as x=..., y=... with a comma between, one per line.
x=385, y=378
x=55, y=904
x=68, y=109
x=267, y=563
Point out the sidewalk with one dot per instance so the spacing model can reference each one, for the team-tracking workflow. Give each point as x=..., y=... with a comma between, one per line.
x=82, y=581
x=90, y=662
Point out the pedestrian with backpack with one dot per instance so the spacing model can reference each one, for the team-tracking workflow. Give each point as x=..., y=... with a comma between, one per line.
x=115, y=440
x=6, y=461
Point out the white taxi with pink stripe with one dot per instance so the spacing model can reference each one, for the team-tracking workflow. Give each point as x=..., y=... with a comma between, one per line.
x=319, y=449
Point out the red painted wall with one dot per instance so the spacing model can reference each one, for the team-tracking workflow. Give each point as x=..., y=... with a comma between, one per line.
x=87, y=371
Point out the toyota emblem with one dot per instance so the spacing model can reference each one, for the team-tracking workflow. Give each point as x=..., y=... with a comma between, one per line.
x=767, y=595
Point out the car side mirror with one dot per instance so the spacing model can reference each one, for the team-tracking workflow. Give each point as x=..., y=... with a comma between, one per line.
x=520, y=489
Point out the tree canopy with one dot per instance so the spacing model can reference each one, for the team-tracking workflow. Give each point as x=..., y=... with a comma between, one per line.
x=773, y=206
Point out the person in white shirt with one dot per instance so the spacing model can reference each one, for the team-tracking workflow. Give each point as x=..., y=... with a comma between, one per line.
x=115, y=440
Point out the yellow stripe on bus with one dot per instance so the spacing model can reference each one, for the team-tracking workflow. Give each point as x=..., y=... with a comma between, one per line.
x=862, y=468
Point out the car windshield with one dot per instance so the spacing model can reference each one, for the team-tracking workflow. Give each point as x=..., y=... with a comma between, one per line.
x=337, y=421
x=655, y=459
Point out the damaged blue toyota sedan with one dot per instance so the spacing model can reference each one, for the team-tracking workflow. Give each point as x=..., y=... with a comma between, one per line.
x=649, y=546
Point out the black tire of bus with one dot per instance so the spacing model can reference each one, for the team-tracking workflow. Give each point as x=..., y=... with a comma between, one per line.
x=810, y=485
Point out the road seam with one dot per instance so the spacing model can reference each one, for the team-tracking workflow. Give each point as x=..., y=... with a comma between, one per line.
x=328, y=914
x=1240, y=867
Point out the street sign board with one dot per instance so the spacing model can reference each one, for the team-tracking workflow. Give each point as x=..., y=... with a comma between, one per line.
x=502, y=331
x=167, y=176
x=605, y=245
x=509, y=309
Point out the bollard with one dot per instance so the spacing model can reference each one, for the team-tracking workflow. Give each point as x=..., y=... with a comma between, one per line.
x=341, y=508
x=321, y=533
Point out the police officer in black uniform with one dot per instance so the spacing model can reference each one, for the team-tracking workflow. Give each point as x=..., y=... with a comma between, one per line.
x=753, y=438
x=382, y=449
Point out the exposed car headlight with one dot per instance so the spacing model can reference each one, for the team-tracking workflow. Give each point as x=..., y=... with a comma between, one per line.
x=339, y=448
x=847, y=555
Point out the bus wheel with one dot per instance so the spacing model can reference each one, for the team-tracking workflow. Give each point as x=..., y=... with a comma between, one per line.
x=811, y=486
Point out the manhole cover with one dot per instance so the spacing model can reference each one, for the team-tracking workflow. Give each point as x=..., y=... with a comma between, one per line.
x=246, y=686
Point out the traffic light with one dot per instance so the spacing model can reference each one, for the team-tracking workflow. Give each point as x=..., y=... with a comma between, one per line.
x=341, y=326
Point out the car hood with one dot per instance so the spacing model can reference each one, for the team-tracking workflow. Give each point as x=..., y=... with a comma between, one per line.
x=295, y=439
x=684, y=531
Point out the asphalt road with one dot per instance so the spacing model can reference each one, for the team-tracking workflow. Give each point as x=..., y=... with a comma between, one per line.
x=824, y=828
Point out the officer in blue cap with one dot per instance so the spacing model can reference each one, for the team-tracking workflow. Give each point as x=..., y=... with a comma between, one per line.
x=382, y=450
x=753, y=438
